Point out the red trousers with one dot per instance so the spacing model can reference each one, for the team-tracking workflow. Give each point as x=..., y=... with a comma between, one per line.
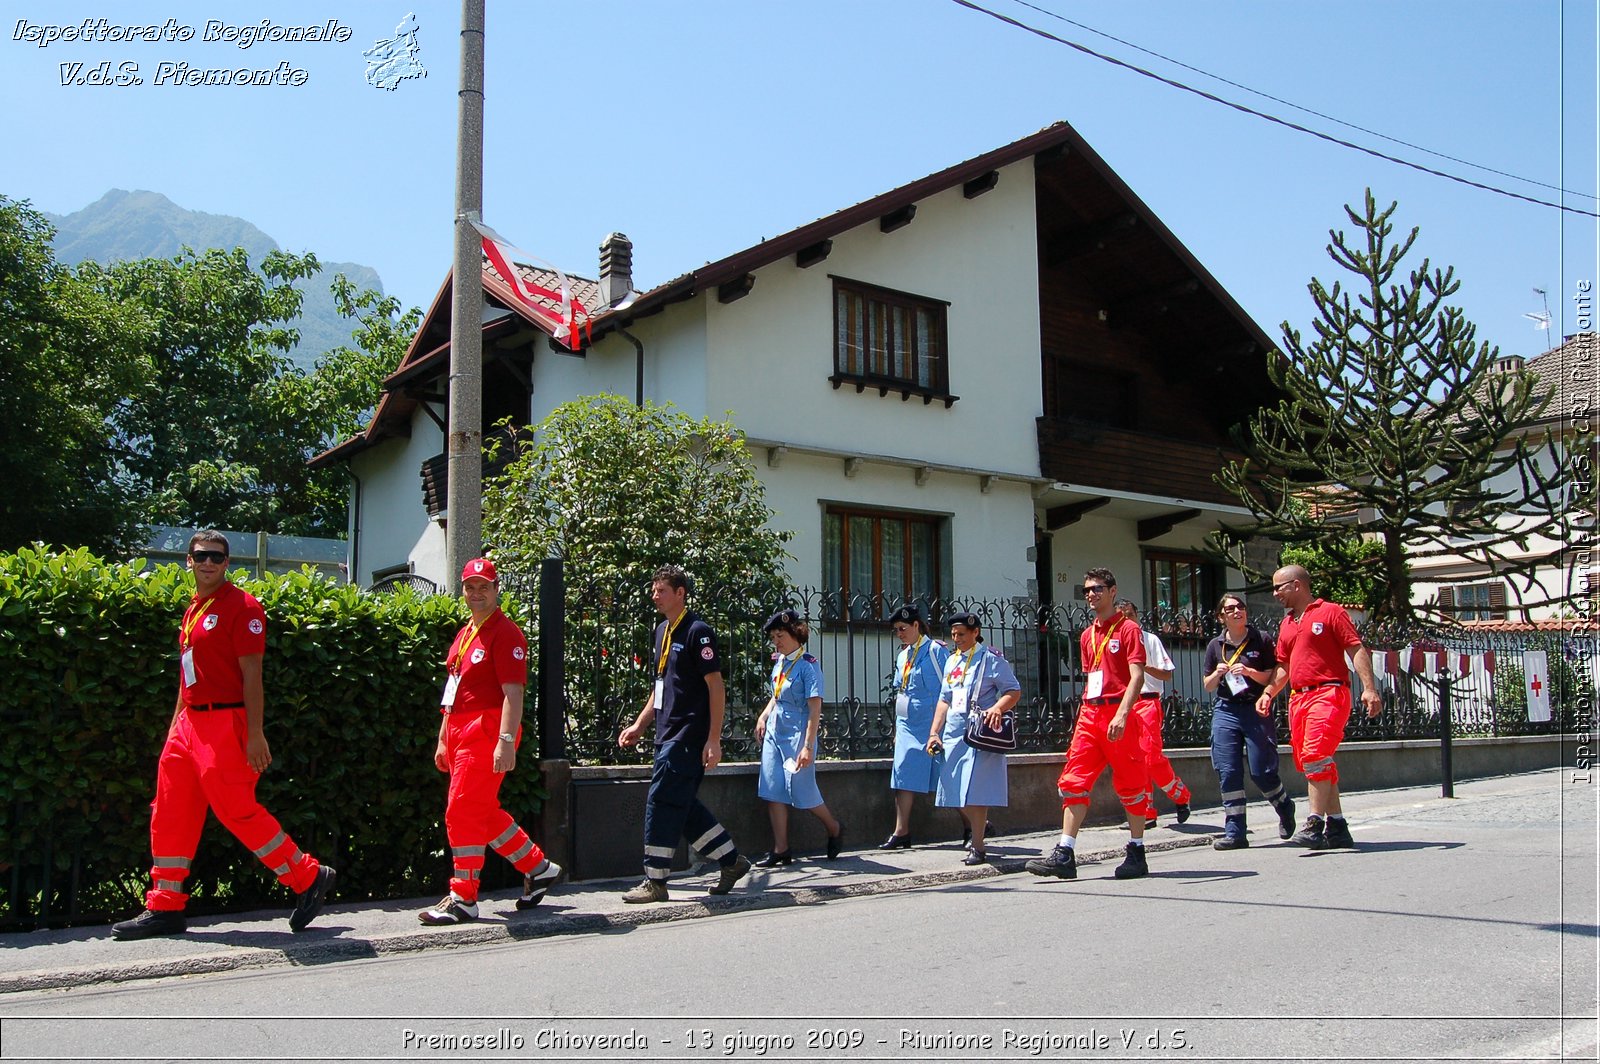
x=203, y=766
x=473, y=819
x=1148, y=710
x=1316, y=728
x=1091, y=752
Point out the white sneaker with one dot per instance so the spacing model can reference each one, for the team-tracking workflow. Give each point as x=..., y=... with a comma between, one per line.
x=537, y=882
x=450, y=910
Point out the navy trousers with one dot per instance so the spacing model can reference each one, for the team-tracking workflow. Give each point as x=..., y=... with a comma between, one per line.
x=673, y=811
x=1238, y=732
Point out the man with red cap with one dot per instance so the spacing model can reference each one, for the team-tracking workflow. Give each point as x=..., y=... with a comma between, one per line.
x=1312, y=642
x=216, y=750
x=487, y=673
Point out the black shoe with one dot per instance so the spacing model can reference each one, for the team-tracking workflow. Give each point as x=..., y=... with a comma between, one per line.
x=1133, y=865
x=966, y=831
x=896, y=842
x=310, y=901
x=1309, y=836
x=1061, y=862
x=1336, y=835
x=1286, y=818
x=151, y=923
x=773, y=859
x=836, y=843
x=1149, y=823
x=731, y=874
x=1182, y=810
x=1231, y=842
x=537, y=883
x=975, y=857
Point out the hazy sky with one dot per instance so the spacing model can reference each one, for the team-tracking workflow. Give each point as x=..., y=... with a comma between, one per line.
x=699, y=127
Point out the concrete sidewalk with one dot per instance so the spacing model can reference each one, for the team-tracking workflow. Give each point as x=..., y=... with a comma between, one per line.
x=79, y=956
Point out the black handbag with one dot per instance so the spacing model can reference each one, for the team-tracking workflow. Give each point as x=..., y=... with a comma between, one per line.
x=980, y=736
x=1001, y=740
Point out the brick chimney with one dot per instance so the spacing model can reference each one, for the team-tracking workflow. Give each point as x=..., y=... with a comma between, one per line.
x=616, y=269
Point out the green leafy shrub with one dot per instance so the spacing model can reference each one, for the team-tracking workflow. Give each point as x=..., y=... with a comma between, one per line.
x=89, y=655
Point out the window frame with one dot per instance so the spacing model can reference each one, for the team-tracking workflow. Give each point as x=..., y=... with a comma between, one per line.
x=1203, y=583
x=898, y=307
x=938, y=526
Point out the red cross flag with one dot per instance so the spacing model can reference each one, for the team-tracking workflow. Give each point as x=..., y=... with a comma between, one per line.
x=1536, y=684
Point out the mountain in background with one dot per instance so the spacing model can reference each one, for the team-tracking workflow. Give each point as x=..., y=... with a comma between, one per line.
x=139, y=225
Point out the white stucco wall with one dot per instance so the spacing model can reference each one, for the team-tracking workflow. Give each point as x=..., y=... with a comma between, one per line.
x=771, y=352
x=394, y=526
x=990, y=534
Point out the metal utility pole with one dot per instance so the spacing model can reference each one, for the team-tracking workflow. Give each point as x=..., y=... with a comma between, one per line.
x=464, y=444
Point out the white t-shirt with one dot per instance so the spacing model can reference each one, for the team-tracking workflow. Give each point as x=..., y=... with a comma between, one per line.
x=1155, y=657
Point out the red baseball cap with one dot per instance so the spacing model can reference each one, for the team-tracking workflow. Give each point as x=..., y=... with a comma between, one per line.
x=479, y=569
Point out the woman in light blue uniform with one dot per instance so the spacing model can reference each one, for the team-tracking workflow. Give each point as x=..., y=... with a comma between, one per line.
x=976, y=680
x=787, y=732
x=918, y=675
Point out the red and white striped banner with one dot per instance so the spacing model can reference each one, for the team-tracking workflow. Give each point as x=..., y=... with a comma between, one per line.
x=563, y=322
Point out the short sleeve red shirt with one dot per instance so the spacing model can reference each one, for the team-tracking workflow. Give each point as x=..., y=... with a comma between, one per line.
x=494, y=654
x=220, y=630
x=1313, y=647
x=1123, y=645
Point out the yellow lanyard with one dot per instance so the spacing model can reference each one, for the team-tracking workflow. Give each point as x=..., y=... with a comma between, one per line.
x=666, y=643
x=191, y=617
x=1236, y=653
x=1101, y=648
x=911, y=659
x=454, y=663
x=785, y=670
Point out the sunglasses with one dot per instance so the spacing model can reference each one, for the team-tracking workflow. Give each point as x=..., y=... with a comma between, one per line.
x=210, y=557
x=1231, y=608
x=1094, y=589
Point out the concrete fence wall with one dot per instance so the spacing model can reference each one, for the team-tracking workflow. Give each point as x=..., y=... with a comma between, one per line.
x=593, y=823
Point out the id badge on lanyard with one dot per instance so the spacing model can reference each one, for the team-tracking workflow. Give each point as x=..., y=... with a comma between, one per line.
x=661, y=690
x=1237, y=682
x=448, y=699
x=902, y=704
x=189, y=676
x=1094, y=684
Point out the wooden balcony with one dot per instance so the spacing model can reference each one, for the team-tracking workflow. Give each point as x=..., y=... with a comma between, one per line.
x=1097, y=456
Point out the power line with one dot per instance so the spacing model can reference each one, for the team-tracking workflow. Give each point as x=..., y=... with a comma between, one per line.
x=1299, y=107
x=1268, y=117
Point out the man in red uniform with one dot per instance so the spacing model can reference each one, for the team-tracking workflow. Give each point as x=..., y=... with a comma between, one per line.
x=215, y=751
x=1158, y=669
x=1311, y=647
x=487, y=673
x=1107, y=733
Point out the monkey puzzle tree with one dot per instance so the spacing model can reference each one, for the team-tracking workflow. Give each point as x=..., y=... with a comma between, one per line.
x=1398, y=428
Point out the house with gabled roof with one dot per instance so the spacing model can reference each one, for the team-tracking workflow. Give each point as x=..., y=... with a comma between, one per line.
x=1545, y=576
x=979, y=383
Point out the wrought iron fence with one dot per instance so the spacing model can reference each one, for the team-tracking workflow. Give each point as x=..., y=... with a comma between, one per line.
x=609, y=670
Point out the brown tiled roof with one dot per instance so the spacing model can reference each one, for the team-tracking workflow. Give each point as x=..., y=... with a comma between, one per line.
x=1569, y=368
x=587, y=292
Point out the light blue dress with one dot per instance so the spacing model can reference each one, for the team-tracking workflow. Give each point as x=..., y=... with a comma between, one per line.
x=786, y=732
x=913, y=769
x=970, y=776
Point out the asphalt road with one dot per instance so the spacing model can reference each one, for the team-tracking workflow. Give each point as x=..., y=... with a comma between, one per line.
x=1458, y=930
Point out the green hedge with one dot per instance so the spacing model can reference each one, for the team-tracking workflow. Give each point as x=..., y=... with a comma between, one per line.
x=88, y=656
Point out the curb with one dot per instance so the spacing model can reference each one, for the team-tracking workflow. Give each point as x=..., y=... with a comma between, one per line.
x=344, y=949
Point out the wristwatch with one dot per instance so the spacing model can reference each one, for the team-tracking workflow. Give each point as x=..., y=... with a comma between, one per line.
x=506, y=737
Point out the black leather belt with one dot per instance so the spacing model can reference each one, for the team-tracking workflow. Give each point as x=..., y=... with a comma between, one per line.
x=1314, y=686
x=1102, y=701
x=204, y=707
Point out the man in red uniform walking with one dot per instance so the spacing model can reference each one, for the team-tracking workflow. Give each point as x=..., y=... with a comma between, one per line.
x=1158, y=669
x=487, y=673
x=1311, y=647
x=215, y=751
x=1107, y=733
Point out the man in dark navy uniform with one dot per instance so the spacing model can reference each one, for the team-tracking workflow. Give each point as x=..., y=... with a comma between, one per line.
x=686, y=704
